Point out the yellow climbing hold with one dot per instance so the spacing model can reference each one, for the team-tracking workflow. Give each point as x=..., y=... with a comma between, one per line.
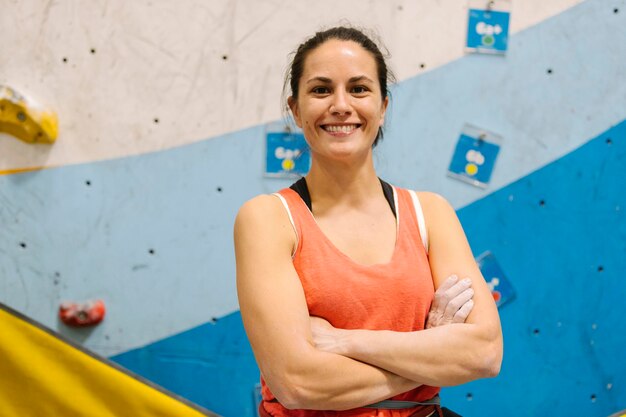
x=25, y=119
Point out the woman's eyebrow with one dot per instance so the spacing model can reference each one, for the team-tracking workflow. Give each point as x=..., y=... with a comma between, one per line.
x=320, y=79
x=360, y=78
x=356, y=79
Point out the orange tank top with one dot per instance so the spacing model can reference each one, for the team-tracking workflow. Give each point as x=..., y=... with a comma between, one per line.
x=392, y=296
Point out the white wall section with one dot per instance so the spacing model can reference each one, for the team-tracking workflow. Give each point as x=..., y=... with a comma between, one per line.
x=132, y=77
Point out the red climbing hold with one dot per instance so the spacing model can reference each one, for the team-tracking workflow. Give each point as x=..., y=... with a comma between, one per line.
x=82, y=314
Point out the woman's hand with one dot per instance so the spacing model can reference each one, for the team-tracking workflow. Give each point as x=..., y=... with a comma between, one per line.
x=452, y=304
x=325, y=336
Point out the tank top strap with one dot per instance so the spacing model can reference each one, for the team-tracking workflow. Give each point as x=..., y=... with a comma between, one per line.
x=409, y=201
x=296, y=210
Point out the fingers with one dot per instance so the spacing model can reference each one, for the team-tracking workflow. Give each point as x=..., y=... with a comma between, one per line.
x=452, y=303
x=458, y=288
x=456, y=303
x=439, y=304
x=461, y=315
x=448, y=283
x=431, y=320
x=448, y=291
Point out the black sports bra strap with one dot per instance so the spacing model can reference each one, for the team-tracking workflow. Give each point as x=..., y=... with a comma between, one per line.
x=388, y=192
x=303, y=191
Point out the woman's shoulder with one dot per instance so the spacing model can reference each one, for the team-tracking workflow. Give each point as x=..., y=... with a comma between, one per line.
x=434, y=205
x=426, y=198
x=263, y=206
x=264, y=217
x=265, y=212
x=431, y=198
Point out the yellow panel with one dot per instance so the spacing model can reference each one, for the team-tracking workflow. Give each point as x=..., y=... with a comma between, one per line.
x=42, y=375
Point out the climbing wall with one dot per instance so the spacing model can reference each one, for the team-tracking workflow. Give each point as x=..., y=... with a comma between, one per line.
x=560, y=236
x=163, y=112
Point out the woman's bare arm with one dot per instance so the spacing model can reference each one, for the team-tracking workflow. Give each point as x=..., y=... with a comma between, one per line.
x=276, y=318
x=445, y=355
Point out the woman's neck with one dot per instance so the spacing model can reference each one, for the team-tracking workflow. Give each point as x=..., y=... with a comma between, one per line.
x=334, y=184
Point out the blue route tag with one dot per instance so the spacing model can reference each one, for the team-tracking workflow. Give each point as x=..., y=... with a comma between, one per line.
x=499, y=285
x=287, y=155
x=487, y=31
x=474, y=156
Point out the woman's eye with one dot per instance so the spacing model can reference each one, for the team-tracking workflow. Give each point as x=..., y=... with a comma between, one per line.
x=359, y=89
x=320, y=90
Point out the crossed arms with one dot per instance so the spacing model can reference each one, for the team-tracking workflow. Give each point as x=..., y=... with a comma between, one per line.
x=308, y=364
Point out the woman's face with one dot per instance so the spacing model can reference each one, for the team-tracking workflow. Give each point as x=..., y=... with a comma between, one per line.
x=339, y=105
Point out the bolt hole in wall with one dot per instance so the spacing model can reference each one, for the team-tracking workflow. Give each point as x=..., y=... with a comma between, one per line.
x=156, y=120
x=609, y=141
x=469, y=396
x=151, y=251
x=64, y=60
x=92, y=50
x=600, y=268
x=88, y=183
x=23, y=245
x=225, y=57
x=549, y=70
x=219, y=189
x=542, y=203
x=536, y=332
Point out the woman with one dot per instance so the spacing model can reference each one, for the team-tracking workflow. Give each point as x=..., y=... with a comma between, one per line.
x=336, y=274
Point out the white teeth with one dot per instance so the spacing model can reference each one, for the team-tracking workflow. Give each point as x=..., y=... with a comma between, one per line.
x=341, y=128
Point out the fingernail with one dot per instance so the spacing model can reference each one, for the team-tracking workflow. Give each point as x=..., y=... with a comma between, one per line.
x=467, y=281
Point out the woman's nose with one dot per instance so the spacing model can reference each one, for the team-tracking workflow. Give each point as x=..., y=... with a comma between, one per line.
x=340, y=103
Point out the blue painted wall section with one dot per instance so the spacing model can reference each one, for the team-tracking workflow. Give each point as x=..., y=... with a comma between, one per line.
x=211, y=365
x=558, y=86
x=139, y=232
x=560, y=236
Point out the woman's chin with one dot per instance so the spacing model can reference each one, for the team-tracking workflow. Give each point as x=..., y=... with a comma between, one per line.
x=346, y=151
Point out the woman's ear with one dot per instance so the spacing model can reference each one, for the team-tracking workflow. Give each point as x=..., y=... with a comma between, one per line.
x=295, y=111
x=383, y=110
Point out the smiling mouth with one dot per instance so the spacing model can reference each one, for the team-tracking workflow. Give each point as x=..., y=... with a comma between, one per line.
x=340, y=128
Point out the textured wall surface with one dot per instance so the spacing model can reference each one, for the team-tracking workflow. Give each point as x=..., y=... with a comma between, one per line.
x=167, y=116
x=133, y=77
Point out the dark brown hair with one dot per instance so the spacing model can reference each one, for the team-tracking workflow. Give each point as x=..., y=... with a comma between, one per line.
x=296, y=67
